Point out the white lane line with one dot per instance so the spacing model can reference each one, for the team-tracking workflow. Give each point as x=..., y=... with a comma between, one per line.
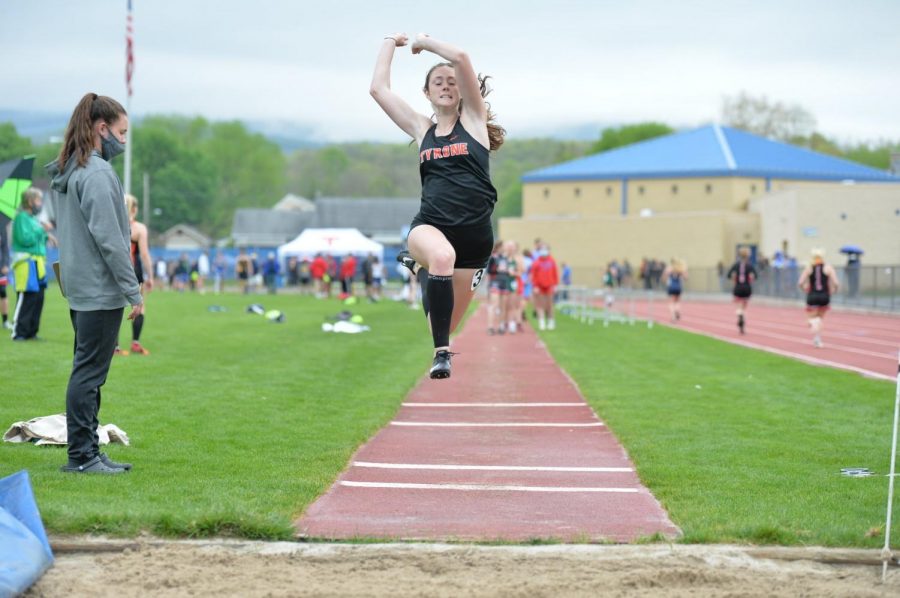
x=582, y=404
x=484, y=487
x=496, y=425
x=490, y=467
x=798, y=356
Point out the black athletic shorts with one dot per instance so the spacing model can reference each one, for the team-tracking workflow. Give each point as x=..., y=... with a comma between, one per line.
x=472, y=243
x=742, y=291
x=818, y=299
x=2, y=291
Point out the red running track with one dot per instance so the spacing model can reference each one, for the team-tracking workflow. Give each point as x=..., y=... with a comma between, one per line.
x=863, y=343
x=506, y=449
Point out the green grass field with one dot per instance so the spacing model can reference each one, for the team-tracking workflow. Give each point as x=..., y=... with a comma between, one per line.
x=238, y=424
x=739, y=445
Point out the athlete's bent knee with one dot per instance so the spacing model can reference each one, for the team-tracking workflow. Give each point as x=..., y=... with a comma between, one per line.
x=442, y=261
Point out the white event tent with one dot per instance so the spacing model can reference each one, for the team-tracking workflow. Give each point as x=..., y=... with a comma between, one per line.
x=336, y=241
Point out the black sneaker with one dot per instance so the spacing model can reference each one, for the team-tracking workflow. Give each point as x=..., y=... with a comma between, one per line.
x=441, y=367
x=741, y=323
x=407, y=260
x=110, y=463
x=95, y=465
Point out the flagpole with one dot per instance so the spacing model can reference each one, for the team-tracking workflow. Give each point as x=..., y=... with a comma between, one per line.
x=129, y=71
x=128, y=149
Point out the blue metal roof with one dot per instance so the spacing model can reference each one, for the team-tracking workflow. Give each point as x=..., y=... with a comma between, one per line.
x=706, y=152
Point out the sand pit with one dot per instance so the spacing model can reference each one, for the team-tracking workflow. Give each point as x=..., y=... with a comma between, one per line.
x=150, y=567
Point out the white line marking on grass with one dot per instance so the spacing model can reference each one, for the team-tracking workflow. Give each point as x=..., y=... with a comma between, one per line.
x=484, y=487
x=495, y=405
x=490, y=467
x=496, y=425
x=782, y=352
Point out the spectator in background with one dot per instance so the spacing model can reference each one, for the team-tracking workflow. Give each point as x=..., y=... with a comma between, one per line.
x=348, y=272
x=255, y=274
x=778, y=266
x=367, y=275
x=202, y=271
x=293, y=273
x=4, y=270
x=242, y=269
x=645, y=274
x=627, y=274
x=331, y=274
x=162, y=272
x=143, y=271
x=304, y=275
x=545, y=277
x=29, y=245
x=566, y=280
x=219, y=273
x=378, y=275
x=318, y=269
x=270, y=271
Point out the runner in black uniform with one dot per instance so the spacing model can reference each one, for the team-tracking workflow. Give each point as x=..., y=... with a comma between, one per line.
x=819, y=281
x=143, y=270
x=743, y=274
x=451, y=237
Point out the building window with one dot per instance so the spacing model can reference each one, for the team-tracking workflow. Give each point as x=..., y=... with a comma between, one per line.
x=708, y=188
x=674, y=189
x=843, y=215
x=641, y=190
x=546, y=192
x=609, y=190
x=752, y=188
x=577, y=191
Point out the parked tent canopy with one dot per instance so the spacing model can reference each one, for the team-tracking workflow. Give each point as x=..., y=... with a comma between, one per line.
x=336, y=241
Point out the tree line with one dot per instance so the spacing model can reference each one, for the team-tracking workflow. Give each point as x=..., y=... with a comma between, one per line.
x=201, y=171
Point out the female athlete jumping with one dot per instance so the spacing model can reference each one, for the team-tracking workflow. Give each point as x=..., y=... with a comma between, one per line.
x=451, y=238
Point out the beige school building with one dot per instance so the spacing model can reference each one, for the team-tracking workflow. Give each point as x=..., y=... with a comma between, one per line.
x=699, y=195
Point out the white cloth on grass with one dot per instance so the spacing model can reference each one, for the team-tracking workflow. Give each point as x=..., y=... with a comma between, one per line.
x=51, y=429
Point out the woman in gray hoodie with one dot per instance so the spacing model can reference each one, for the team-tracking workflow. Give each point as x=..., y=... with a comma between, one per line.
x=96, y=273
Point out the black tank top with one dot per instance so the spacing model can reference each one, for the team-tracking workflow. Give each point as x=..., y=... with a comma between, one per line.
x=456, y=179
x=818, y=280
x=136, y=261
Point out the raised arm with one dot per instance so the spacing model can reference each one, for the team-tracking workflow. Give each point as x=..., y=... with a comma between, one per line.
x=473, y=108
x=411, y=122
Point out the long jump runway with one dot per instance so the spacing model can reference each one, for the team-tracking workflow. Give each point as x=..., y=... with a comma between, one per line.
x=506, y=449
x=863, y=343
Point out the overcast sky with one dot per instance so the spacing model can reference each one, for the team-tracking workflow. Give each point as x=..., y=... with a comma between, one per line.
x=556, y=64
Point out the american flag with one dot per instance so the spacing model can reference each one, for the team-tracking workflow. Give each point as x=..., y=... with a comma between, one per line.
x=129, y=50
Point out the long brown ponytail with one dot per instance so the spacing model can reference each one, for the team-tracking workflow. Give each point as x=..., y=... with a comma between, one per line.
x=79, y=139
x=496, y=133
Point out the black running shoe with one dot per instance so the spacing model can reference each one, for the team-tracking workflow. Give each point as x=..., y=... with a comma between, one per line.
x=441, y=367
x=741, y=323
x=407, y=260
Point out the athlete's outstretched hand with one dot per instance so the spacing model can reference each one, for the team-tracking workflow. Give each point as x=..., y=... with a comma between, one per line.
x=400, y=39
x=418, y=44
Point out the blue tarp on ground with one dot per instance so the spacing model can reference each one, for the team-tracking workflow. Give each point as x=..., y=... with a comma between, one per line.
x=24, y=550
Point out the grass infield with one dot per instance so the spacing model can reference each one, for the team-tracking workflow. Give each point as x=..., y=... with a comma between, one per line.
x=739, y=445
x=238, y=424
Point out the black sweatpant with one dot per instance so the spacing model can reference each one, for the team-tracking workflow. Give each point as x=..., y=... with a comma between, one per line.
x=96, y=333
x=29, y=307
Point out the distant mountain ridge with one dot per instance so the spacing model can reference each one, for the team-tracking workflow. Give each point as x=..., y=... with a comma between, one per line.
x=288, y=135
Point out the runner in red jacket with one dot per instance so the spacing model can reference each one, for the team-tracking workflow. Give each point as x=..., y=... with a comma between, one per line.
x=544, y=277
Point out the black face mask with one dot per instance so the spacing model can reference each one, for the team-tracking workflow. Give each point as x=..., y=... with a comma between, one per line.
x=110, y=147
x=35, y=210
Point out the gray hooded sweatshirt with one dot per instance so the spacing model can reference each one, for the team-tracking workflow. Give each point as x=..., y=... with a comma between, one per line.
x=94, y=236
